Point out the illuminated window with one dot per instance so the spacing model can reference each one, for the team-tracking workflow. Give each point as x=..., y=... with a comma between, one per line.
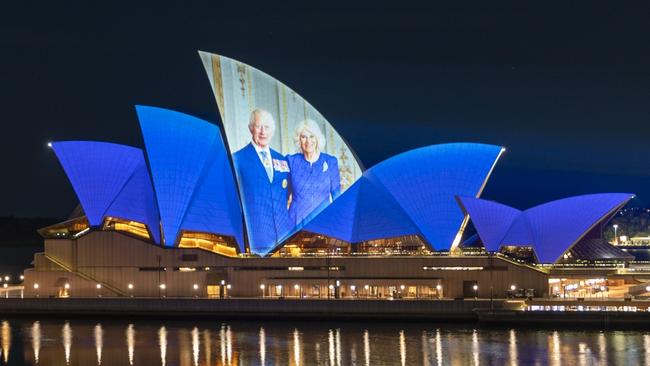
x=401, y=245
x=66, y=229
x=309, y=244
x=130, y=227
x=223, y=245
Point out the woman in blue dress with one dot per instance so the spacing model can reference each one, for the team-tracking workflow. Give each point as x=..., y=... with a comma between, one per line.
x=315, y=179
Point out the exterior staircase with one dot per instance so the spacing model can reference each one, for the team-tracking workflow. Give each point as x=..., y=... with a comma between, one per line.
x=85, y=276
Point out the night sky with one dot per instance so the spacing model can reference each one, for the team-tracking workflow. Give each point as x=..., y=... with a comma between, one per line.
x=565, y=89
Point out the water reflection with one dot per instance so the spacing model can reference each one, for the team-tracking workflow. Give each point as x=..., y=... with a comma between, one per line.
x=162, y=342
x=222, y=343
x=66, y=337
x=475, y=350
x=338, y=346
x=513, y=347
x=207, y=342
x=36, y=339
x=366, y=346
x=296, y=347
x=438, y=348
x=554, y=348
x=262, y=346
x=402, y=347
x=330, y=343
x=99, y=342
x=195, y=345
x=602, y=349
x=130, y=342
x=6, y=340
x=295, y=343
x=228, y=345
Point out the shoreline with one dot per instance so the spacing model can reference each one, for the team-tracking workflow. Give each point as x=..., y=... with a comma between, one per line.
x=479, y=311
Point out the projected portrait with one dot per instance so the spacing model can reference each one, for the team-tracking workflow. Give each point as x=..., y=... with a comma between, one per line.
x=289, y=161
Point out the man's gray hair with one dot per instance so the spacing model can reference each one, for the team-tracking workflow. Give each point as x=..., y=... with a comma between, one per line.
x=263, y=114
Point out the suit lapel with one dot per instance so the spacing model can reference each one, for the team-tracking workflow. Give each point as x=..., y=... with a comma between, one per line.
x=257, y=166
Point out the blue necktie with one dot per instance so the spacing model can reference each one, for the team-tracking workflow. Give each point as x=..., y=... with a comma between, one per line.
x=267, y=165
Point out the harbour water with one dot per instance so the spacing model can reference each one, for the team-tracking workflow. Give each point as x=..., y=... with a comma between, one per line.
x=230, y=342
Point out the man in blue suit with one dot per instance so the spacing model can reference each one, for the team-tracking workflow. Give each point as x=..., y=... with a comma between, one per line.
x=264, y=183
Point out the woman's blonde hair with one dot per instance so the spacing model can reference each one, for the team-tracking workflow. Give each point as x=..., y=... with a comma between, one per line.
x=311, y=126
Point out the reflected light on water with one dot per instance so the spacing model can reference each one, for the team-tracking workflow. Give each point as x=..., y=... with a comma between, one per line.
x=66, y=335
x=582, y=353
x=36, y=339
x=207, y=337
x=338, y=346
x=99, y=342
x=554, y=349
x=475, y=348
x=438, y=348
x=6, y=340
x=195, y=345
x=330, y=342
x=162, y=342
x=426, y=357
x=262, y=346
x=130, y=342
x=296, y=347
x=646, y=346
x=513, y=347
x=602, y=348
x=310, y=344
x=366, y=346
x=222, y=343
x=402, y=347
x=228, y=345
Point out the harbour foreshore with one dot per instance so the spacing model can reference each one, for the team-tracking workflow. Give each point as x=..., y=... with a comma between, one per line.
x=496, y=311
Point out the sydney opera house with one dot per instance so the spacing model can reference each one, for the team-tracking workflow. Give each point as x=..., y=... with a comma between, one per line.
x=272, y=202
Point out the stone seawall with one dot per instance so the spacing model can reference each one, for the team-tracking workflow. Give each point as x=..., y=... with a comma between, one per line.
x=250, y=308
